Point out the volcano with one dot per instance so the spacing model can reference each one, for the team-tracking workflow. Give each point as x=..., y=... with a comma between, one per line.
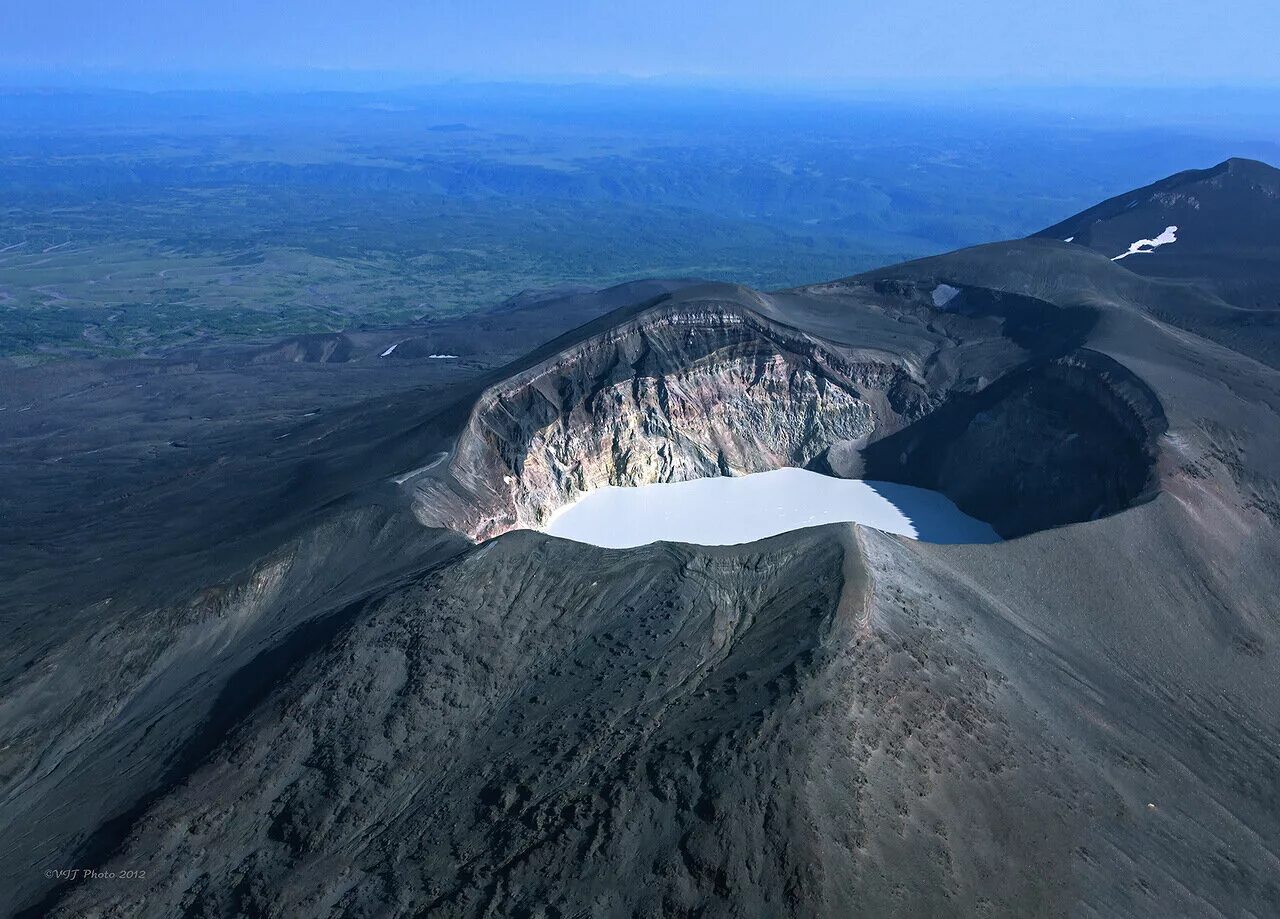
x=356, y=678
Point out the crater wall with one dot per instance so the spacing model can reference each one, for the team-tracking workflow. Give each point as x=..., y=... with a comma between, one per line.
x=672, y=396
x=685, y=391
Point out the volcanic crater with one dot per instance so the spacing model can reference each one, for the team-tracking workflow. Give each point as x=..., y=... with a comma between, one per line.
x=1004, y=413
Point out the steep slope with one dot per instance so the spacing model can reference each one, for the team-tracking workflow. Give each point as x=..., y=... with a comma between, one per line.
x=647, y=741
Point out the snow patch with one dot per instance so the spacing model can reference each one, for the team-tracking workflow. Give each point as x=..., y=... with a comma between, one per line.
x=944, y=294
x=1147, y=246
x=389, y=350
x=443, y=357
x=1069, y=239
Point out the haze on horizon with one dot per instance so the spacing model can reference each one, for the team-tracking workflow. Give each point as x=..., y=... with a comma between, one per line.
x=824, y=43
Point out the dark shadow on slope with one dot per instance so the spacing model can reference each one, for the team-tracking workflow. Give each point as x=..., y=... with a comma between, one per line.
x=933, y=516
x=242, y=694
x=1056, y=442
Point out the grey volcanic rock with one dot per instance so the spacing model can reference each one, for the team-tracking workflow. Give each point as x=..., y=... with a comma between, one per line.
x=351, y=714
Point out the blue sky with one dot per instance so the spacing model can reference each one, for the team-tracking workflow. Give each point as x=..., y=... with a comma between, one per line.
x=803, y=42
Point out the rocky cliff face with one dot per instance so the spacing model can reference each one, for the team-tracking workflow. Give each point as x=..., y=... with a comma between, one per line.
x=677, y=394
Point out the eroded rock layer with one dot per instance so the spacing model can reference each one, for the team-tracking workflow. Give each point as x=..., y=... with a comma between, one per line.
x=675, y=395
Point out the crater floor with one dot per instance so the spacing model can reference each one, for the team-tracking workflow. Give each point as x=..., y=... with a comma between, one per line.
x=724, y=511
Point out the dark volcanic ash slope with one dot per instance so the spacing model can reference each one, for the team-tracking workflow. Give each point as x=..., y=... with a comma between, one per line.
x=1080, y=721
x=1221, y=277
x=660, y=734
x=1228, y=230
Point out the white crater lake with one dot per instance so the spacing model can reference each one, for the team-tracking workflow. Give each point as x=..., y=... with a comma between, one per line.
x=726, y=511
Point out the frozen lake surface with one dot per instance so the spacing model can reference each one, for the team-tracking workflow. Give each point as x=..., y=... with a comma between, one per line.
x=726, y=511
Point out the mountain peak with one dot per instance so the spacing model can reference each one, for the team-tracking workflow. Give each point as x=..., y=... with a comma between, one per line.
x=1245, y=166
x=1219, y=227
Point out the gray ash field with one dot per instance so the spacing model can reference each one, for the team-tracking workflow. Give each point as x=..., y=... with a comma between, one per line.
x=316, y=660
